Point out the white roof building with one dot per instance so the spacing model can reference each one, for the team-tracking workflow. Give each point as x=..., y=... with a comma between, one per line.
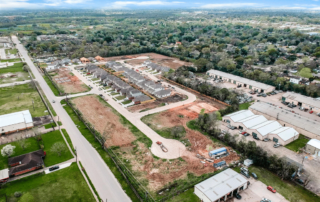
x=239, y=115
x=15, y=121
x=220, y=186
x=247, y=83
x=267, y=127
x=286, y=133
x=315, y=143
x=313, y=147
x=301, y=100
x=253, y=120
x=4, y=174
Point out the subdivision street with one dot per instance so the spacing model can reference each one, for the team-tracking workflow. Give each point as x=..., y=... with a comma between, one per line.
x=103, y=179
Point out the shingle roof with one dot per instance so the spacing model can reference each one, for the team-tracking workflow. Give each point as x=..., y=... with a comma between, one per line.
x=28, y=160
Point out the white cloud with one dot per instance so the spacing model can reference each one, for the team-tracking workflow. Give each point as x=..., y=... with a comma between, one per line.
x=229, y=5
x=10, y=4
x=123, y=4
x=75, y=1
x=315, y=0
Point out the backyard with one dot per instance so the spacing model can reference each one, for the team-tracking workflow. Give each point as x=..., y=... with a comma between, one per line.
x=63, y=185
x=11, y=51
x=21, y=97
x=298, y=143
x=13, y=74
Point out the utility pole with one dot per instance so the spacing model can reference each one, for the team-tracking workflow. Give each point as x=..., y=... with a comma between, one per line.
x=33, y=104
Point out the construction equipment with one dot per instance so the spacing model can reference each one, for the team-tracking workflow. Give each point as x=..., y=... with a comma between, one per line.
x=164, y=149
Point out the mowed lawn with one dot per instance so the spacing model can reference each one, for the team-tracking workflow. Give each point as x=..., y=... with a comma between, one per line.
x=298, y=143
x=32, y=144
x=17, y=70
x=11, y=51
x=49, y=139
x=63, y=185
x=19, y=98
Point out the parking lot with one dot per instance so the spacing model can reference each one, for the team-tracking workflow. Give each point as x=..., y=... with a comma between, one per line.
x=258, y=190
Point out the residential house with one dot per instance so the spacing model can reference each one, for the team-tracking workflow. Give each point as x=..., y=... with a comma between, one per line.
x=90, y=67
x=133, y=93
x=154, y=88
x=140, y=99
x=98, y=58
x=66, y=61
x=125, y=91
x=295, y=79
x=26, y=162
x=76, y=61
x=84, y=60
x=162, y=93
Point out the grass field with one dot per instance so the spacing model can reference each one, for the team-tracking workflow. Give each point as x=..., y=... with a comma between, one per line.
x=49, y=139
x=52, y=87
x=290, y=191
x=63, y=185
x=11, y=60
x=298, y=143
x=11, y=51
x=20, y=97
x=16, y=69
x=66, y=135
x=244, y=106
x=90, y=138
x=31, y=145
x=187, y=196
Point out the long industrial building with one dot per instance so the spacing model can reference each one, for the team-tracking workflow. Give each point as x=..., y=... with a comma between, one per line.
x=312, y=104
x=14, y=122
x=259, y=126
x=221, y=186
x=241, y=81
x=305, y=126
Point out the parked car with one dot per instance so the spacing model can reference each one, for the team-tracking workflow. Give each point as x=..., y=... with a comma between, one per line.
x=266, y=139
x=246, y=174
x=271, y=189
x=254, y=175
x=256, y=137
x=300, y=181
x=53, y=168
x=318, y=114
x=237, y=196
x=276, y=145
x=245, y=134
x=311, y=112
x=231, y=127
x=264, y=95
x=265, y=200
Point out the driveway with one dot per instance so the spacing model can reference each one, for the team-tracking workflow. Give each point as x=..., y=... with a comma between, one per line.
x=99, y=173
x=2, y=54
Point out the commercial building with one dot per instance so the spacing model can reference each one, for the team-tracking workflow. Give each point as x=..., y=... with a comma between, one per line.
x=312, y=104
x=260, y=127
x=241, y=81
x=14, y=122
x=303, y=125
x=221, y=186
x=313, y=147
x=26, y=162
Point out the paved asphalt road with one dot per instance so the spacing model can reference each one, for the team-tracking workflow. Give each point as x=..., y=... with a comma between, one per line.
x=103, y=179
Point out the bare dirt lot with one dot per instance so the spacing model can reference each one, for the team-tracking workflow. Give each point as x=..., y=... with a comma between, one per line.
x=158, y=103
x=197, y=143
x=68, y=82
x=171, y=62
x=104, y=119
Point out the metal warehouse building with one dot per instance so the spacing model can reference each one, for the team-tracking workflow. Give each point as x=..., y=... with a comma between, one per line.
x=259, y=126
x=313, y=147
x=221, y=186
x=305, y=126
x=302, y=101
x=14, y=122
x=243, y=82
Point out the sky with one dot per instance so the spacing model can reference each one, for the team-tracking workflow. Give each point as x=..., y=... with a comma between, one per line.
x=313, y=5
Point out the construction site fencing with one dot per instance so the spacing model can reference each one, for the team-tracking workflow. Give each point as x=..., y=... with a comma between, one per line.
x=141, y=193
x=55, y=85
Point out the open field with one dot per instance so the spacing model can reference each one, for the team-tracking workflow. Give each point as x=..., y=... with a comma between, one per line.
x=63, y=185
x=20, y=97
x=13, y=73
x=106, y=158
x=158, y=103
x=11, y=60
x=171, y=62
x=11, y=51
x=196, y=143
x=69, y=83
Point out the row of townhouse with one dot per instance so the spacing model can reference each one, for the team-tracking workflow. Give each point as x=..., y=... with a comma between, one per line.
x=155, y=66
x=147, y=85
x=116, y=66
x=58, y=64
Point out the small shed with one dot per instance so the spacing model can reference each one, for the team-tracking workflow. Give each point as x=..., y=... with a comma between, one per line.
x=313, y=147
x=4, y=175
x=247, y=162
x=219, y=164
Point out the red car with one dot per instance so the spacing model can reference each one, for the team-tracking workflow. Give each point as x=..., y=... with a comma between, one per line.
x=271, y=189
x=311, y=112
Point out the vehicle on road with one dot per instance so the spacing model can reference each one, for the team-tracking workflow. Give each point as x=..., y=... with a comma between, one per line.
x=53, y=168
x=276, y=145
x=237, y=196
x=254, y=175
x=271, y=189
x=53, y=101
x=164, y=149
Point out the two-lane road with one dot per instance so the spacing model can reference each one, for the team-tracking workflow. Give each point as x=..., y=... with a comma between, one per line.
x=103, y=179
